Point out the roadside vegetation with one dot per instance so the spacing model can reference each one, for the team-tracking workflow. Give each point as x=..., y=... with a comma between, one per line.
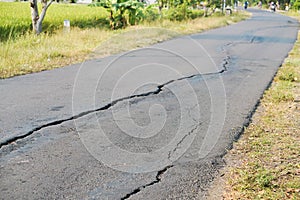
x=92, y=30
x=292, y=4
x=265, y=162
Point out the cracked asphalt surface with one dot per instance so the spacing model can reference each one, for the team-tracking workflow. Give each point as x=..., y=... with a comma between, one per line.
x=152, y=123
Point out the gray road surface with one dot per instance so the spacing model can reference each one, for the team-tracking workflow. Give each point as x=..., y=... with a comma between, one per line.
x=147, y=124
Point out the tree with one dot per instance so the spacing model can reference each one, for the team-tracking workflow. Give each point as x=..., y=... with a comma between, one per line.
x=37, y=20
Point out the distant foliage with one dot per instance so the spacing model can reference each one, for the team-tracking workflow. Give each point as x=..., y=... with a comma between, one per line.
x=292, y=4
x=131, y=12
x=296, y=5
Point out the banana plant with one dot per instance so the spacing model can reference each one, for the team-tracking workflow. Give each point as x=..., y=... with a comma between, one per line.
x=123, y=12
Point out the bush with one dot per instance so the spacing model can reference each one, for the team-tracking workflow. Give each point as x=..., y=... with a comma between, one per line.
x=151, y=14
x=178, y=13
x=193, y=14
x=182, y=12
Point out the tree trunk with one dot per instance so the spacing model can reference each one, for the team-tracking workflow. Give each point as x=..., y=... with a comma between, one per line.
x=37, y=20
x=34, y=14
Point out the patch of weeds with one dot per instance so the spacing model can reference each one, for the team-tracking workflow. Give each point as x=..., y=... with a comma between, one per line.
x=264, y=178
x=56, y=55
x=288, y=73
x=281, y=92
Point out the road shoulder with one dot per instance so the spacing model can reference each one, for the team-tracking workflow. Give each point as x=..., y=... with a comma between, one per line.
x=264, y=162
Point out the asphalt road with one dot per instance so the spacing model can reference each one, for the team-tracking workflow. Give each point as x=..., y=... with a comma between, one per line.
x=152, y=123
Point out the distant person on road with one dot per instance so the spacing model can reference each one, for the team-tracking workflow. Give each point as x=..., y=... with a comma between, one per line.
x=273, y=6
x=246, y=4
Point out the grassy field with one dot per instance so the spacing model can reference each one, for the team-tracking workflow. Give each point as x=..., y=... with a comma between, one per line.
x=26, y=53
x=16, y=19
x=265, y=162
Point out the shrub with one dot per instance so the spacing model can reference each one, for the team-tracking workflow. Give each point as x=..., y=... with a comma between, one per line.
x=151, y=14
x=175, y=14
x=193, y=14
x=182, y=12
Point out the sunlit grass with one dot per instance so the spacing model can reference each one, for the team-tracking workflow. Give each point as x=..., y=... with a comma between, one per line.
x=43, y=52
x=15, y=18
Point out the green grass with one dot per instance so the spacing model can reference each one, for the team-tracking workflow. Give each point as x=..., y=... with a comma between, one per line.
x=16, y=19
x=268, y=152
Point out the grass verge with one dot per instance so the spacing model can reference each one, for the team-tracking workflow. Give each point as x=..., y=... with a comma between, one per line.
x=265, y=162
x=28, y=53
